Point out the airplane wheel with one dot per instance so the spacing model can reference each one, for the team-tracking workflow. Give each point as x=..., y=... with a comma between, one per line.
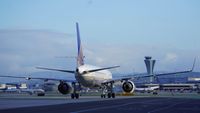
x=103, y=96
x=77, y=95
x=113, y=95
x=41, y=94
x=72, y=96
x=109, y=95
x=155, y=93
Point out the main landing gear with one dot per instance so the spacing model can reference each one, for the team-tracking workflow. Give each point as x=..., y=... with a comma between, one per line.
x=75, y=94
x=111, y=95
x=108, y=88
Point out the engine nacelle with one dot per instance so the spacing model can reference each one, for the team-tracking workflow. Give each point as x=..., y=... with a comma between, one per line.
x=128, y=86
x=64, y=88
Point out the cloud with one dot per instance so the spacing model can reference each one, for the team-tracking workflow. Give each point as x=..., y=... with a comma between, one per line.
x=22, y=50
x=131, y=57
x=90, y=2
x=171, y=57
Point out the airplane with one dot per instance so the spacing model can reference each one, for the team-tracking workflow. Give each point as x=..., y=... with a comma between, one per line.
x=90, y=76
x=38, y=92
x=3, y=87
x=20, y=88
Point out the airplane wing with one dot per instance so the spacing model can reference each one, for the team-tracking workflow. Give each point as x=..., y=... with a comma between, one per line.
x=162, y=74
x=172, y=73
x=39, y=78
x=100, y=69
x=137, y=76
x=84, y=72
x=68, y=71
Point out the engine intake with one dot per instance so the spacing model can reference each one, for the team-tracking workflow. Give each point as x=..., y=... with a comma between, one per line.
x=128, y=86
x=64, y=88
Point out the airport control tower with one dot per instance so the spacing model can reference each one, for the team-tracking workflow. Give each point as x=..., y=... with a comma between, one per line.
x=150, y=66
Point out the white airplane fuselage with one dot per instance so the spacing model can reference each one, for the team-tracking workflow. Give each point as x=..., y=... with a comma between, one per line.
x=92, y=79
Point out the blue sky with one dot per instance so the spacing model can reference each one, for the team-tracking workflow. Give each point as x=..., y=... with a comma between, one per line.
x=144, y=21
x=115, y=31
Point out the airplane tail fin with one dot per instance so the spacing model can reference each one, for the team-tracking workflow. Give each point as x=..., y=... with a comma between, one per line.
x=80, y=57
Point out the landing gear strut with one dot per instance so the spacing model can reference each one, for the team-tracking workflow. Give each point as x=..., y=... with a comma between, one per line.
x=75, y=94
x=110, y=92
x=103, y=94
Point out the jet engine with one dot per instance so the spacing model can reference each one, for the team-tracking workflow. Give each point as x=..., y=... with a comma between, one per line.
x=128, y=86
x=64, y=88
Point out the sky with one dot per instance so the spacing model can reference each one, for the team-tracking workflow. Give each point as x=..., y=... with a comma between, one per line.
x=113, y=32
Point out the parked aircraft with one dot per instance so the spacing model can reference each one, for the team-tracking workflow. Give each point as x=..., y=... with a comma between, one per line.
x=20, y=88
x=3, y=87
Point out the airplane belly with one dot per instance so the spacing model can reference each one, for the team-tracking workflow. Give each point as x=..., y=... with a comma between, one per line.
x=90, y=80
x=86, y=81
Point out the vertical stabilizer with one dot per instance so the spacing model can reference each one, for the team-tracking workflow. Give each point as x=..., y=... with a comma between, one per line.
x=80, y=57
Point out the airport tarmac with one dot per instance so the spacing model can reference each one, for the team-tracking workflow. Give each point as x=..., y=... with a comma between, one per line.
x=91, y=104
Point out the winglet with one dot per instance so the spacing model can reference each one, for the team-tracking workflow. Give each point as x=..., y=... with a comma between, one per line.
x=193, y=64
